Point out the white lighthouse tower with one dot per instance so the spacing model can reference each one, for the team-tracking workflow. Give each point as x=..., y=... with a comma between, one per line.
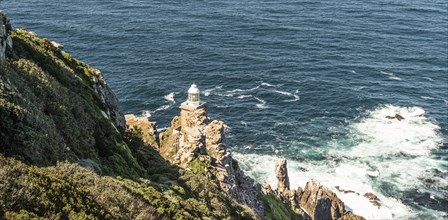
x=190, y=106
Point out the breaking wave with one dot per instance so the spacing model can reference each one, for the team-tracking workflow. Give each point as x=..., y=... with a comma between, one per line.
x=261, y=104
x=384, y=156
x=293, y=95
x=170, y=98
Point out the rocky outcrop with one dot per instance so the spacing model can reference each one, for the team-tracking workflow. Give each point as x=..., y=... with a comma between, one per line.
x=373, y=199
x=351, y=216
x=320, y=202
x=281, y=172
x=146, y=128
x=5, y=39
x=314, y=201
x=203, y=139
x=109, y=99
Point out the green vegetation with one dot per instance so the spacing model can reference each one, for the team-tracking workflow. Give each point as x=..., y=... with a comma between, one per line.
x=275, y=208
x=50, y=111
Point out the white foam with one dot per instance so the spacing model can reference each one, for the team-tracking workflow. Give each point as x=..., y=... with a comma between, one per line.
x=415, y=135
x=227, y=128
x=395, y=78
x=427, y=97
x=207, y=92
x=170, y=98
x=270, y=85
x=429, y=79
x=245, y=90
x=244, y=96
x=387, y=73
x=382, y=151
x=348, y=177
x=295, y=96
x=146, y=114
x=161, y=108
x=262, y=103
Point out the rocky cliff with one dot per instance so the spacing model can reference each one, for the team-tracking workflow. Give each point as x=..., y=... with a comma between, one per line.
x=5, y=39
x=203, y=143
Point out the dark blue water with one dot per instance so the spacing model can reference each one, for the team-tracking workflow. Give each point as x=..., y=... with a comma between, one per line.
x=307, y=80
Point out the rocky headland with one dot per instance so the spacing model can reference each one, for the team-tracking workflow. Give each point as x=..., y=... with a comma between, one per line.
x=68, y=152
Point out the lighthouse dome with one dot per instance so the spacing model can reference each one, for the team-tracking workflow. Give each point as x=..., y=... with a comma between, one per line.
x=193, y=89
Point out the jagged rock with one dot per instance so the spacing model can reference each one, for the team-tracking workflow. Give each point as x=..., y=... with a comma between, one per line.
x=323, y=209
x=143, y=125
x=266, y=188
x=281, y=172
x=5, y=39
x=351, y=216
x=373, y=199
x=196, y=134
x=371, y=196
x=314, y=203
x=396, y=116
x=109, y=99
x=57, y=45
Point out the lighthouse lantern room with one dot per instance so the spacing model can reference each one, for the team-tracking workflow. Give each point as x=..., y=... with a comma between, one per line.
x=191, y=107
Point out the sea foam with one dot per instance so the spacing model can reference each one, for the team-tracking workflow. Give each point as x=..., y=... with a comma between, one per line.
x=380, y=156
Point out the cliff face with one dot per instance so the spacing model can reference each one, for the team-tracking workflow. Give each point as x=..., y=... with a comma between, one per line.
x=5, y=39
x=54, y=107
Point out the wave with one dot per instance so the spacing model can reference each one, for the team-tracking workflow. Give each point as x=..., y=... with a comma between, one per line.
x=170, y=98
x=295, y=96
x=392, y=76
x=427, y=97
x=245, y=90
x=146, y=114
x=415, y=135
x=207, y=92
x=244, y=96
x=387, y=73
x=262, y=103
x=375, y=157
x=270, y=85
x=429, y=79
x=395, y=78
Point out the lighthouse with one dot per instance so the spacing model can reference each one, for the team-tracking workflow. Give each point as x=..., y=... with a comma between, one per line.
x=191, y=107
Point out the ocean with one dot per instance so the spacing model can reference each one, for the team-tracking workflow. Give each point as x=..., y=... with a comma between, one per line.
x=309, y=81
